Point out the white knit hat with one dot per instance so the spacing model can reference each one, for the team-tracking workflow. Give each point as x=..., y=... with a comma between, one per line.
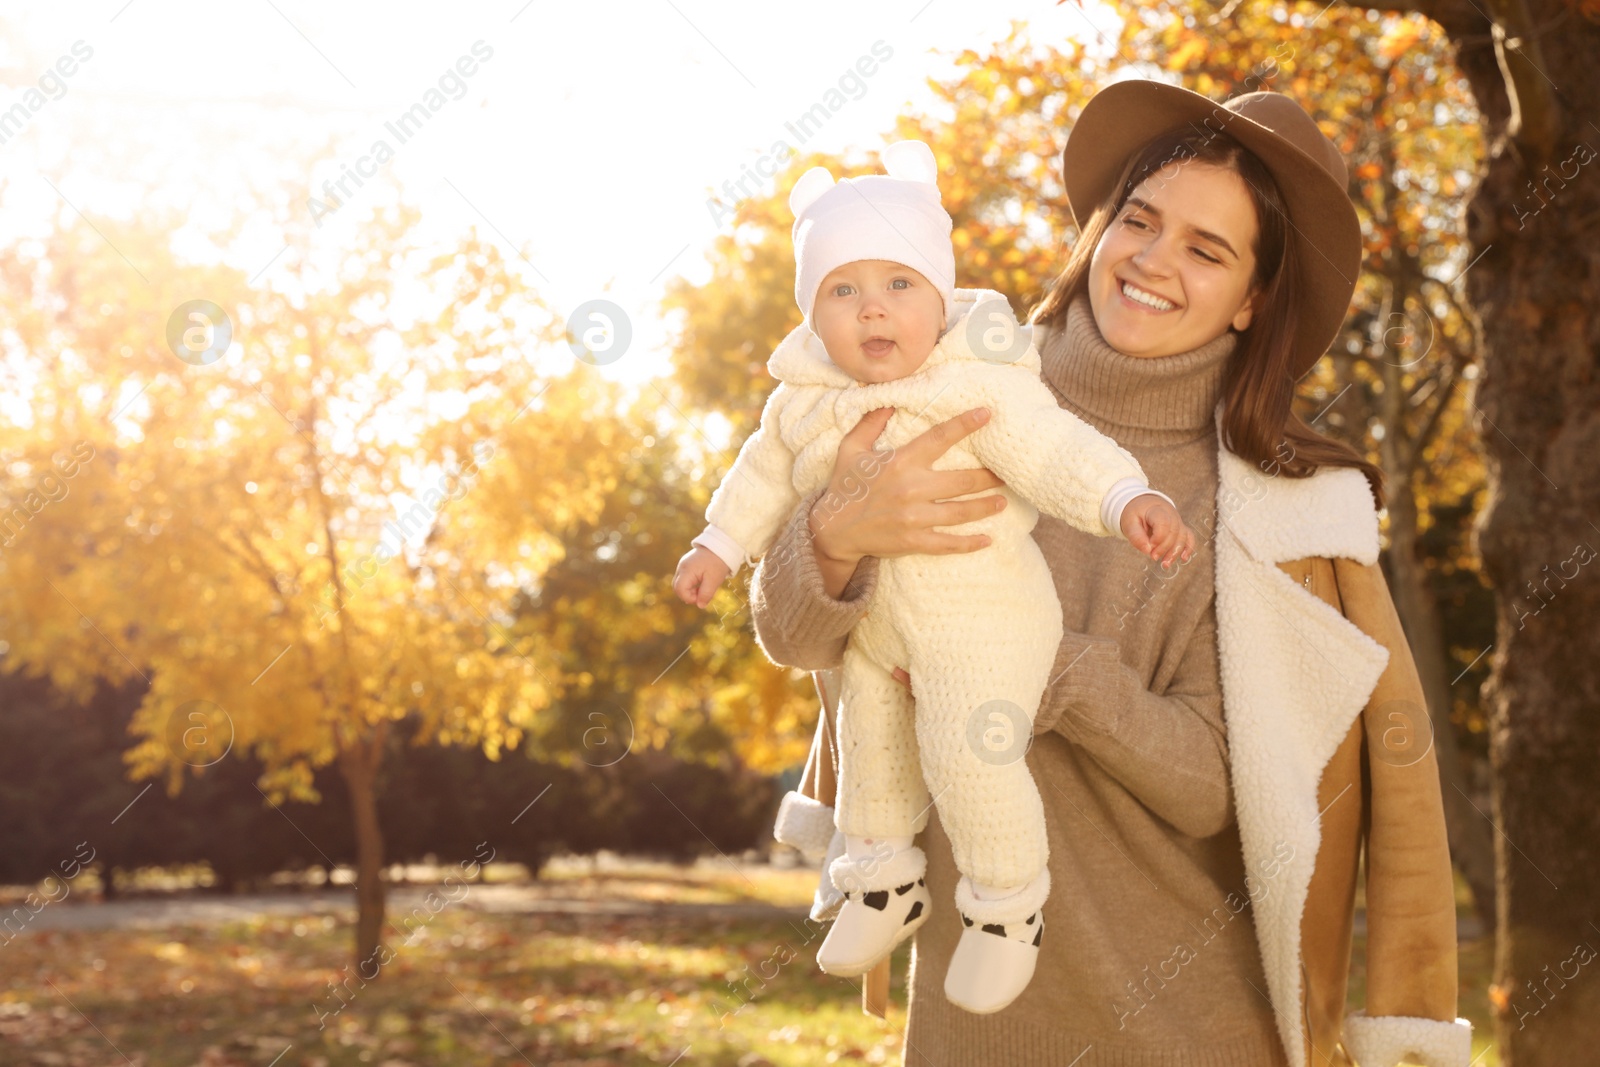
x=896, y=217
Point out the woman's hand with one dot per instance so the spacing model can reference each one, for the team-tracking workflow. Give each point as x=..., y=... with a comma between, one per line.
x=886, y=503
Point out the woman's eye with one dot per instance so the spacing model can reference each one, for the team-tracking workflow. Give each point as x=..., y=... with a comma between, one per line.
x=1131, y=221
x=1207, y=256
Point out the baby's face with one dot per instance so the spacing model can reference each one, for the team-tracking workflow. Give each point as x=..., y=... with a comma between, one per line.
x=879, y=320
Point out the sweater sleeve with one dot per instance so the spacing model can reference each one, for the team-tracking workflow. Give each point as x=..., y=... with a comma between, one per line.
x=797, y=623
x=758, y=492
x=1169, y=749
x=1058, y=462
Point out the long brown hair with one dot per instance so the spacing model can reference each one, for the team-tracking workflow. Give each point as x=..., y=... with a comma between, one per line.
x=1258, y=420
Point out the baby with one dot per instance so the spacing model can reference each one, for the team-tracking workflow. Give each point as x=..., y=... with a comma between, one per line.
x=977, y=632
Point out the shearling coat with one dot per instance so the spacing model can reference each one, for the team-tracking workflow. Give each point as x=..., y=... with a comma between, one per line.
x=1330, y=754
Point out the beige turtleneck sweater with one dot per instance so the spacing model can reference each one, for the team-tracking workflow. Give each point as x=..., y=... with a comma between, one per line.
x=1143, y=963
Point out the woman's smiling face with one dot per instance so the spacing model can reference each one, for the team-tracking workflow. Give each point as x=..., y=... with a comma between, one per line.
x=1176, y=267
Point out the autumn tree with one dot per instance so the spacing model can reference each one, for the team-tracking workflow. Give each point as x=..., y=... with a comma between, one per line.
x=1531, y=228
x=268, y=505
x=302, y=512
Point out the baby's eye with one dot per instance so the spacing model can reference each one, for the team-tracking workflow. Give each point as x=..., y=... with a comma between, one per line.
x=842, y=289
x=904, y=283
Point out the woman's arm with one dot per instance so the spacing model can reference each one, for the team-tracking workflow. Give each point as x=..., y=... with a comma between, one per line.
x=1170, y=750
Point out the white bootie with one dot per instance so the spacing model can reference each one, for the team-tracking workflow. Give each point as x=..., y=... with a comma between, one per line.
x=807, y=825
x=885, y=901
x=804, y=824
x=994, y=960
x=826, y=900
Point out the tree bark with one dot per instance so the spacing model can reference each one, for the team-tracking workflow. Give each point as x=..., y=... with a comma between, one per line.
x=1534, y=231
x=359, y=766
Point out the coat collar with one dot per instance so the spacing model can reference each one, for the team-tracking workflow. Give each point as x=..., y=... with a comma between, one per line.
x=1295, y=674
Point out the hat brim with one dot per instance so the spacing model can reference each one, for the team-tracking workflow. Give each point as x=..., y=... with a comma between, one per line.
x=1325, y=231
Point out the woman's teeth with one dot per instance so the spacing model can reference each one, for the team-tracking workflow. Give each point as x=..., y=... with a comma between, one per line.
x=1147, y=299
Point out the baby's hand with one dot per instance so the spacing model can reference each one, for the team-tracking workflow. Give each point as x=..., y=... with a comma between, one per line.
x=1154, y=527
x=700, y=571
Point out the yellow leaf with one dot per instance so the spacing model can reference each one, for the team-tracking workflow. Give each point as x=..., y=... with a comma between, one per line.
x=1192, y=49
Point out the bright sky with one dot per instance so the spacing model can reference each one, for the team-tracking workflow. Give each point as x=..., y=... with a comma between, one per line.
x=586, y=139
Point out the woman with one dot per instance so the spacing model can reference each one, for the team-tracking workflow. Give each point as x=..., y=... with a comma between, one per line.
x=1222, y=733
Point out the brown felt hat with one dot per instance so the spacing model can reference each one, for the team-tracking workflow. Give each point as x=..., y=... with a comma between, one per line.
x=1325, y=232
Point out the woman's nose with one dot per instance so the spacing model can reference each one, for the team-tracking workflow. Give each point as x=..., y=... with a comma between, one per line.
x=1153, y=257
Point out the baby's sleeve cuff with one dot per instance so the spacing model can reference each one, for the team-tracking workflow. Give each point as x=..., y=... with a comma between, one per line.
x=1118, y=497
x=725, y=547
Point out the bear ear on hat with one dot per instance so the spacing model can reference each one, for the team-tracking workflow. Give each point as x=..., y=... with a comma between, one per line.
x=812, y=184
x=911, y=161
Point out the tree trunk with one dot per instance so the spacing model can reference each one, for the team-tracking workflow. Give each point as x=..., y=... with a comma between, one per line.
x=359, y=766
x=1535, y=223
x=1471, y=838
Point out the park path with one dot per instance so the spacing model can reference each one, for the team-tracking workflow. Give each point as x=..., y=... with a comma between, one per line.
x=154, y=913
x=534, y=898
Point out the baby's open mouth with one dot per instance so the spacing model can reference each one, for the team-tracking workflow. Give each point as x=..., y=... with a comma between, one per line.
x=878, y=346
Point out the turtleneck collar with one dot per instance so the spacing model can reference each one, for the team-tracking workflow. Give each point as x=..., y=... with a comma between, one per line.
x=1133, y=399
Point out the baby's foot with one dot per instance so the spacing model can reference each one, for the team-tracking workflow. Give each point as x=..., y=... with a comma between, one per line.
x=999, y=947
x=885, y=902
